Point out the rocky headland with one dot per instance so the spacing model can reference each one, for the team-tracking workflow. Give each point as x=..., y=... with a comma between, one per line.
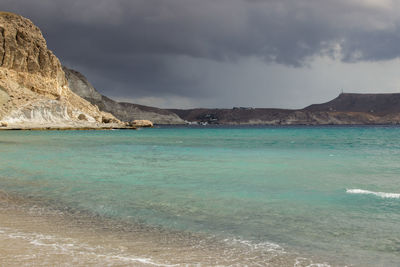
x=346, y=109
x=37, y=92
x=121, y=110
x=34, y=92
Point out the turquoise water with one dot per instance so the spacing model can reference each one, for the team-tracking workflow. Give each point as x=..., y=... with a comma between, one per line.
x=293, y=186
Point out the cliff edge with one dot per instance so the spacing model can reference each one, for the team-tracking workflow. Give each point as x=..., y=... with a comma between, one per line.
x=34, y=92
x=123, y=111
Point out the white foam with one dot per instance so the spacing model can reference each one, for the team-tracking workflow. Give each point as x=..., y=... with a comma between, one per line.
x=73, y=247
x=367, y=192
x=266, y=246
x=300, y=261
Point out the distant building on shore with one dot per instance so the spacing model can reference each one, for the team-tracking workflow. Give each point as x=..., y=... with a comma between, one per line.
x=242, y=108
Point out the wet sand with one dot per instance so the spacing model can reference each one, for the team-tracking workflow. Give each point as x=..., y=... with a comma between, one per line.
x=42, y=236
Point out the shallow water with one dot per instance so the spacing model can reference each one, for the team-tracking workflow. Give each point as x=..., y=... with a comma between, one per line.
x=327, y=193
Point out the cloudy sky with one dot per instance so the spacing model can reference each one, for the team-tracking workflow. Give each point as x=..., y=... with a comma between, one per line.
x=224, y=53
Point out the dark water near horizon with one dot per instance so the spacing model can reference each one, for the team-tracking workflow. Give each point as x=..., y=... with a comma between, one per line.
x=330, y=192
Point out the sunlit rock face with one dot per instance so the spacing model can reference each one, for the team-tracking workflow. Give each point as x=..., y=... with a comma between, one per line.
x=33, y=88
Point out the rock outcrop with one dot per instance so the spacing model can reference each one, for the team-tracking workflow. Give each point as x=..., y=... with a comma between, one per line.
x=142, y=123
x=34, y=91
x=123, y=111
x=37, y=92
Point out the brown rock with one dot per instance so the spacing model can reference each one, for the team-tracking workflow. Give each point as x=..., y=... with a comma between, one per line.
x=24, y=49
x=82, y=117
x=108, y=118
x=142, y=123
x=105, y=120
x=31, y=78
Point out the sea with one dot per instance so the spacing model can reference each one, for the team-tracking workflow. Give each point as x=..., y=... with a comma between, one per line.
x=201, y=196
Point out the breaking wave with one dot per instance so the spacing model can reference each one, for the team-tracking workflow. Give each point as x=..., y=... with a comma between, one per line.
x=378, y=194
x=53, y=245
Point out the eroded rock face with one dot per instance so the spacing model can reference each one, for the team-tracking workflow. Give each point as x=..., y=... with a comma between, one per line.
x=4, y=97
x=33, y=86
x=80, y=85
x=24, y=49
x=123, y=111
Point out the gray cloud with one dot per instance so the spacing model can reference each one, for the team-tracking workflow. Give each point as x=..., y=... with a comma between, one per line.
x=144, y=48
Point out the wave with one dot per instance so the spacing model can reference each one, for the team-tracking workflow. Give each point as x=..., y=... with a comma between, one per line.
x=264, y=246
x=52, y=246
x=367, y=192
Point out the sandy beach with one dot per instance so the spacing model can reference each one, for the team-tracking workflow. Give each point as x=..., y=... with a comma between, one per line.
x=146, y=198
x=42, y=236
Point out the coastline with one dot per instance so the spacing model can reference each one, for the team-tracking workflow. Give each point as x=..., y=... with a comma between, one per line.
x=227, y=185
x=194, y=126
x=46, y=235
x=134, y=190
x=67, y=128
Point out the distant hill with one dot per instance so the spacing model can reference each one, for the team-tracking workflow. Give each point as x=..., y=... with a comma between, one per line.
x=233, y=116
x=346, y=109
x=36, y=91
x=121, y=110
x=379, y=104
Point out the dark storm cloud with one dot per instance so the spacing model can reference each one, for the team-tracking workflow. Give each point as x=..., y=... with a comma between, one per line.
x=134, y=46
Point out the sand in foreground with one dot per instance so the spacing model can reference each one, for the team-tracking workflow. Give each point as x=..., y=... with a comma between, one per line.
x=33, y=235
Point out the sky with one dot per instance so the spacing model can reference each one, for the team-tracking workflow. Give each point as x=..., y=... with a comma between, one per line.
x=224, y=53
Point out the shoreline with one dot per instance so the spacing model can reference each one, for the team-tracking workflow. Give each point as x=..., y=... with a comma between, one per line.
x=67, y=128
x=196, y=126
x=44, y=235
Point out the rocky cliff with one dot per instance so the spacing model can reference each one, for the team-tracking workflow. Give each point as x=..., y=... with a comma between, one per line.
x=123, y=111
x=37, y=92
x=34, y=91
x=346, y=109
